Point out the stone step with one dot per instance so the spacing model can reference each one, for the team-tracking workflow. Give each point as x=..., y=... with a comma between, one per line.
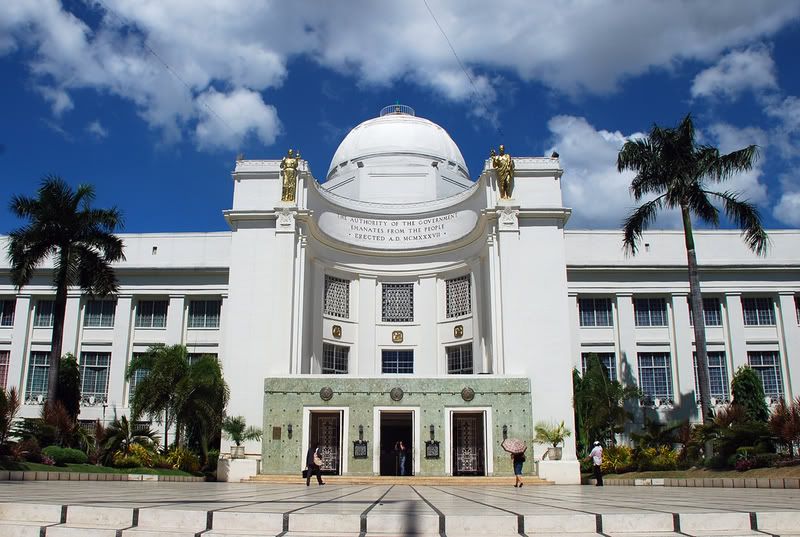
x=783, y=523
x=560, y=524
x=401, y=480
x=27, y=519
x=725, y=525
x=163, y=522
x=89, y=521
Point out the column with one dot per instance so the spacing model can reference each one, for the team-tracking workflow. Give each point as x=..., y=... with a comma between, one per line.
x=790, y=335
x=72, y=324
x=368, y=363
x=120, y=352
x=18, y=358
x=734, y=319
x=626, y=328
x=683, y=336
x=574, y=329
x=175, y=318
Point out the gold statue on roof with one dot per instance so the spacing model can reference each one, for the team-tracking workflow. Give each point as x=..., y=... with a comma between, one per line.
x=289, y=165
x=503, y=166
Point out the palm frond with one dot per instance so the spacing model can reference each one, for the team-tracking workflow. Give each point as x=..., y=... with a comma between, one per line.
x=637, y=222
x=723, y=167
x=746, y=216
x=701, y=206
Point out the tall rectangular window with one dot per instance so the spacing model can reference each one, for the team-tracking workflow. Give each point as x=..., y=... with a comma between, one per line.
x=758, y=311
x=336, y=299
x=712, y=314
x=38, y=368
x=595, y=312
x=655, y=376
x=204, y=313
x=459, y=359
x=650, y=311
x=768, y=366
x=44, y=315
x=94, y=377
x=137, y=377
x=398, y=302
x=717, y=376
x=397, y=362
x=7, y=308
x=458, y=296
x=334, y=359
x=5, y=357
x=193, y=357
x=607, y=359
x=151, y=314
x=99, y=313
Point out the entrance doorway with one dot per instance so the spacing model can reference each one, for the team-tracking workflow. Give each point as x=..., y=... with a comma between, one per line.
x=469, y=449
x=325, y=428
x=396, y=427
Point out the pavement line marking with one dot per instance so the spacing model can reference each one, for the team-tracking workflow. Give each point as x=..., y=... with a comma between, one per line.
x=520, y=517
x=134, y=522
x=287, y=513
x=441, y=515
x=754, y=525
x=363, y=527
x=540, y=503
x=598, y=524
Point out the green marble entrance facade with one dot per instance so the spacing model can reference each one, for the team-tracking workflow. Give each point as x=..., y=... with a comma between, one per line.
x=449, y=426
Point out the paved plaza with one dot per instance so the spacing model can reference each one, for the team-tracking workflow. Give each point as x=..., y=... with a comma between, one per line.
x=145, y=509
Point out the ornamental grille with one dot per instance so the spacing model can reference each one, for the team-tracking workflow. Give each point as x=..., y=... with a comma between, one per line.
x=398, y=302
x=334, y=359
x=458, y=296
x=337, y=297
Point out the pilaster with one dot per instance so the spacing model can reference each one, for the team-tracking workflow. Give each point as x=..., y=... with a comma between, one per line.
x=626, y=328
x=120, y=351
x=176, y=312
x=790, y=338
x=19, y=343
x=734, y=319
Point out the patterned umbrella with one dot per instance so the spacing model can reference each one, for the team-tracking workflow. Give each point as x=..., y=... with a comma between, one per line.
x=514, y=445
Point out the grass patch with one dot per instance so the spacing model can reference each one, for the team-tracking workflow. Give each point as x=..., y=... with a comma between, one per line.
x=86, y=468
x=775, y=473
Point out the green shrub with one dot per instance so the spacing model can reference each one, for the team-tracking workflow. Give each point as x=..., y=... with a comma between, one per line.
x=765, y=460
x=182, y=458
x=62, y=456
x=121, y=460
x=657, y=458
x=617, y=460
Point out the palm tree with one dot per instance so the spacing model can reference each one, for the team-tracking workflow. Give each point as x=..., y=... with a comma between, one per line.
x=672, y=166
x=80, y=240
x=120, y=435
x=202, y=398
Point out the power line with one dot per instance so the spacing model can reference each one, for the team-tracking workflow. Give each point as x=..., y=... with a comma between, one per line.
x=168, y=68
x=461, y=64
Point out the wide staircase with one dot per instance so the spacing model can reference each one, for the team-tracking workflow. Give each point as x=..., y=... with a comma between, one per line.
x=465, y=481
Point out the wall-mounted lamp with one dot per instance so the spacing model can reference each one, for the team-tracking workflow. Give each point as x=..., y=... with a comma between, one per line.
x=361, y=432
x=432, y=430
x=505, y=432
x=289, y=430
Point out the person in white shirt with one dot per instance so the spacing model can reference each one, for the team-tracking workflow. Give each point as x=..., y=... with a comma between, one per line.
x=597, y=460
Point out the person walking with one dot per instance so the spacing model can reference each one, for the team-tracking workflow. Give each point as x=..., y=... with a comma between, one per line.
x=596, y=455
x=402, y=454
x=518, y=459
x=314, y=464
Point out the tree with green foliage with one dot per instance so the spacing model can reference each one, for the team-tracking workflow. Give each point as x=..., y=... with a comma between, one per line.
x=9, y=406
x=69, y=385
x=63, y=227
x=748, y=393
x=121, y=434
x=235, y=428
x=599, y=404
x=202, y=399
x=673, y=169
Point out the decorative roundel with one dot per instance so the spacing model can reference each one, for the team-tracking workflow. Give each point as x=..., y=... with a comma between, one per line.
x=396, y=394
x=468, y=394
x=326, y=393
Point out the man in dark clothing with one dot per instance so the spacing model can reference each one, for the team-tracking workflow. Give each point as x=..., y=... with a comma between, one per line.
x=313, y=462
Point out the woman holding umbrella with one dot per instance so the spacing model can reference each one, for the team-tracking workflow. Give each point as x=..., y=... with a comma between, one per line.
x=517, y=449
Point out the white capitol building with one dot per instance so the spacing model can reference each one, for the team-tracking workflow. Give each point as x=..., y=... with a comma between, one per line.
x=401, y=300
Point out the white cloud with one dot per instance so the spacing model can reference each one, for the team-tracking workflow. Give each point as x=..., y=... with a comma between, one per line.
x=788, y=209
x=59, y=100
x=96, y=128
x=748, y=184
x=738, y=71
x=226, y=119
x=246, y=44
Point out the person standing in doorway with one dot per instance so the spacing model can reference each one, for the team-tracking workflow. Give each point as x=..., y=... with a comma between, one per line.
x=518, y=459
x=596, y=455
x=314, y=464
x=402, y=453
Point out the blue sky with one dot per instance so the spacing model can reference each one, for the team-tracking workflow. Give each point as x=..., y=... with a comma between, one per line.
x=151, y=100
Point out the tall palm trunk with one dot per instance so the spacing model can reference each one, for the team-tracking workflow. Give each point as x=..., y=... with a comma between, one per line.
x=696, y=304
x=56, y=339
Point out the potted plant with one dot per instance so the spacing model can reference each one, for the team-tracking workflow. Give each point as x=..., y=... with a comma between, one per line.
x=235, y=428
x=551, y=434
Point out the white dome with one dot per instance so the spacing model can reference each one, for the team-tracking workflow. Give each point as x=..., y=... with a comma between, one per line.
x=397, y=149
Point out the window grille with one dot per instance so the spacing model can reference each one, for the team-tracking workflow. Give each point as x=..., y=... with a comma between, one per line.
x=151, y=314
x=758, y=311
x=38, y=368
x=334, y=359
x=712, y=314
x=7, y=308
x=137, y=377
x=459, y=359
x=458, y=296
x=767, y=364
x=397, y=362
x=94, y=377
x=398, y=302
x=607, y=359
x=44, y=315
x=717, y=376
x=5, y=357
x=336, y=301
x=595, y=312
x=655, y=377
x=193, y=357
x=650, y=311
x=204, y=313
x=99, y=313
